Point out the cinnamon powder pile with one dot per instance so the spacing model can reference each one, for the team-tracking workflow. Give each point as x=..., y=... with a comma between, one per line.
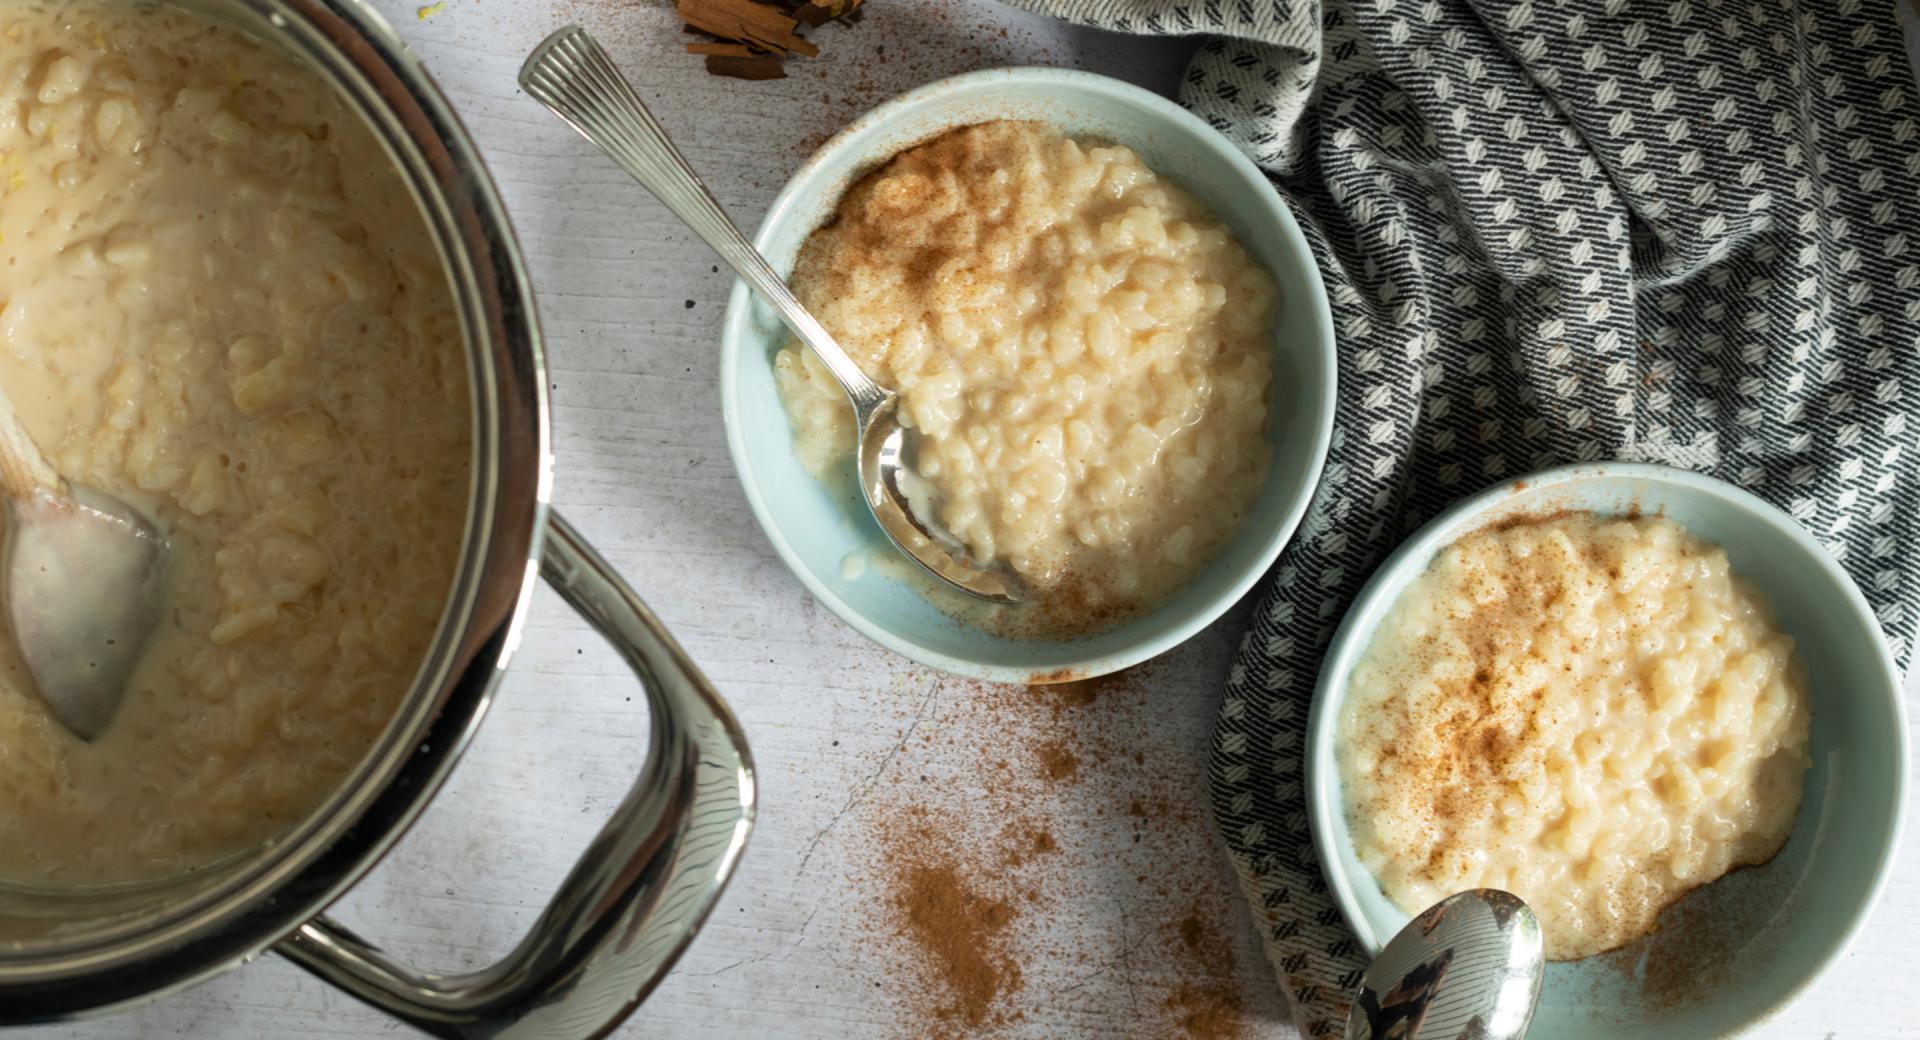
x=1208, y=1005
x=1057, y=760
x=1038, y=854
x=961, y=930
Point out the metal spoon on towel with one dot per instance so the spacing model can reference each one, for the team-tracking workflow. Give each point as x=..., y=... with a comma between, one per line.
x=1469, y=966
x=84, y=579
x=571, y=74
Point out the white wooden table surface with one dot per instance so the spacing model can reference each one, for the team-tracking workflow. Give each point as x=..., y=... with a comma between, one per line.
x=632, y=305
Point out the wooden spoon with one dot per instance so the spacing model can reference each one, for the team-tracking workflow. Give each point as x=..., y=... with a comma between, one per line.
x=83, y=580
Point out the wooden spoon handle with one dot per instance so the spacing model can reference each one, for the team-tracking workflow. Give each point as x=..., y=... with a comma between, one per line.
x=23, y=470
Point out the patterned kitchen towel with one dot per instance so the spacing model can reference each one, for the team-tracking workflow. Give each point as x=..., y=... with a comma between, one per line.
x=1684, y=232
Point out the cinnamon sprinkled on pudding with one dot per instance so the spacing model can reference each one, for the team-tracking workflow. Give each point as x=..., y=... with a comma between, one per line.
x=1082, y=349
x=1597, y=715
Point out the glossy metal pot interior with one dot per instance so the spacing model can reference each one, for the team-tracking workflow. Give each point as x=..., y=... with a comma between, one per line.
x=646, y=882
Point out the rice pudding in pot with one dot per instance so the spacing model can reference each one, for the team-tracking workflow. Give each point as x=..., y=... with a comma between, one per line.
x=1083, y=351
x=1595, y=714
x=220, y=302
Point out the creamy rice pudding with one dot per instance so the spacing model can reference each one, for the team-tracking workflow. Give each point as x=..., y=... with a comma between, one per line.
x=1595, y=714
x=1083, y=349
x=219, y=302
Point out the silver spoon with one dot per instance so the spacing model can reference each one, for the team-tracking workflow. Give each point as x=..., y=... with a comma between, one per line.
x=1467, y=967
x=571, y=74
x=84, y=579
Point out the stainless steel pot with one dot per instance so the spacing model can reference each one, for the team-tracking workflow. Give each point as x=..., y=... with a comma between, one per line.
x=640, y=890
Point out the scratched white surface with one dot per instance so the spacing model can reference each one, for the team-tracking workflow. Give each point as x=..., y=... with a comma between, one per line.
x=631, y=306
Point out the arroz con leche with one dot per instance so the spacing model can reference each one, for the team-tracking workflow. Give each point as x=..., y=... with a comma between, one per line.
x=221, y=304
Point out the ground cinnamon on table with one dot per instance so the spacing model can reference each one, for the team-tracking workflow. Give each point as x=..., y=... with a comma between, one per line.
x=1209, y=1006
x=1057, y=761
x=987, y=872
x=951, y=915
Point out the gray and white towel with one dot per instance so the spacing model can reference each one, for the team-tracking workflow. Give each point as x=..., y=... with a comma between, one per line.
x=1684, y=232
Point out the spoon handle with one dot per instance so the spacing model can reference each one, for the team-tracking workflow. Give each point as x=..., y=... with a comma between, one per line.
x=570, y=73
x=24, y=472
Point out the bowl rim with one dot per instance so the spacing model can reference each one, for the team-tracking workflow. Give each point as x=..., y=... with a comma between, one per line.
x=1419, y=548
x=851, y=139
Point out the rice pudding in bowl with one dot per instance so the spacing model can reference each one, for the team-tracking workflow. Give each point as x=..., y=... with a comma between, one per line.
x=1733, y=952
x=822, y=531
x=1596, y=714
x=222, y=304
x=1080, y=348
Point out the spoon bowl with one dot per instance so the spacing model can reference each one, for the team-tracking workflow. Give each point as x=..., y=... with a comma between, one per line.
x=901, y=501
x=83, y=579
x=1468, y=966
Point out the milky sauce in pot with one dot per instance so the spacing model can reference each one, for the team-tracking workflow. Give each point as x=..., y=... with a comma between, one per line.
x=218, y=300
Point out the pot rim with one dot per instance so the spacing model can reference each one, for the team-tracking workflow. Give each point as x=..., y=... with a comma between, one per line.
x=272, y=892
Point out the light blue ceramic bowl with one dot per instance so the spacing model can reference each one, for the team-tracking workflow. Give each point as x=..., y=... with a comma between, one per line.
x=1731, y=953
x=814, y=527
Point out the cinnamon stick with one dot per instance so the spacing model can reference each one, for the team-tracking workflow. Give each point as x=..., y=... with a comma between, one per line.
x=757, y=67
x=721, y=50
x=746, y=21
x=749, y=39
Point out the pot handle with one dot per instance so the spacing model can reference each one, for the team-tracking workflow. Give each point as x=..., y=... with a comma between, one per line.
x=633, y=901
